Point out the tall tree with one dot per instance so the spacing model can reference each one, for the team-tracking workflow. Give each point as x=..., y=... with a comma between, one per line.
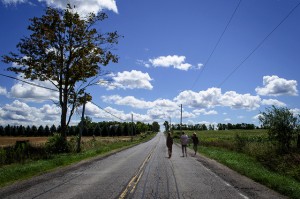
x=167, y=127
x=155, y=127
x=66, y=50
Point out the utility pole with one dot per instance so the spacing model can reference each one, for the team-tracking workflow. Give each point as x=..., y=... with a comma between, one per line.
x=170, y=128
x=131, y=126
x=81, y=126
x=180, y=118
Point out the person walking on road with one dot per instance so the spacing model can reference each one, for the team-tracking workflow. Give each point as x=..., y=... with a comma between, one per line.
x=195, y=142
x=184, y=139
x=169, y=144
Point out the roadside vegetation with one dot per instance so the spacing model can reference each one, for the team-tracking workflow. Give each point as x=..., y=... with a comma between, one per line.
x=270, y=156
x=22, y=157
x=29, y=160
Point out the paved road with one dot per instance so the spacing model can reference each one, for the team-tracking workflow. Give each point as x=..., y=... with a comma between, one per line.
x=143, y=171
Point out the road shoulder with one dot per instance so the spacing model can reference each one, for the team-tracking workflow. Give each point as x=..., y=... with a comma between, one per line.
x=246, y=185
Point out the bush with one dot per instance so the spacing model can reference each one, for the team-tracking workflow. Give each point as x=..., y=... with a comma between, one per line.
x=282, y=126
x=57, y=144
x=240, y=142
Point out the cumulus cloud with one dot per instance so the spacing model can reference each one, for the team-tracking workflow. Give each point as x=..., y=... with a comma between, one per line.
x=276, y=86
x=129, y=80
x=213, y=97
x=239, y=101
x=33, y=93
x=82, y=7
x=295, y=111
x=128, y=101
x=176, y=61
x=270, y=102
x=19, y=113
x=205, y=112
x=140, y=104
x=110, y=113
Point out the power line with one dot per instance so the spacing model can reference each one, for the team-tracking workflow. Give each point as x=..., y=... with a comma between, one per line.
x=33, y=84
x=208, y=59
x=238, y=66
x=108, y=112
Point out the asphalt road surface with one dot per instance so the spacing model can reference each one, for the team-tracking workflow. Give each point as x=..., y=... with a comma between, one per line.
x=143, y=171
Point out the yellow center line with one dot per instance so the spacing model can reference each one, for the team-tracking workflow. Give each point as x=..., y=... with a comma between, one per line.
x=136, y=178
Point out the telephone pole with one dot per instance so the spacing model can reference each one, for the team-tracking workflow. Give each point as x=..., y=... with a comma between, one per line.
x=131, y=126
x=180, y=117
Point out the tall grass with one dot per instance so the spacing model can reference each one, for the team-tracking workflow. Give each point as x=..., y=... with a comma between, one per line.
x=250, y=167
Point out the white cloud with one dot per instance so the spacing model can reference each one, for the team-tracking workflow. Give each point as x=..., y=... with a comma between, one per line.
x=82, y=7
x=129, y=80
x=3, y=91
x=270, y=102
x=128, y=101
x=110, y=113
x=8, y=2
x=295, y=111
x=204, y=112
x=19, y=113
x=33, y=93
x=143, y=63
x=176, y=61
x=213, y=97
x=85, y=7
x=199, y=66
x=275, y=86
x=239, y=101
x=140, y=104
x=256, y=117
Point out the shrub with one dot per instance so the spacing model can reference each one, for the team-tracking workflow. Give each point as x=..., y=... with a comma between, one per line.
x=57, y=144
x=282, y=125
x=240, y=142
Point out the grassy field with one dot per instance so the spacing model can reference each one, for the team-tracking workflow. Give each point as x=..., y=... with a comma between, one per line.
x=11, y=141
x=252, y=154
x=91, y=147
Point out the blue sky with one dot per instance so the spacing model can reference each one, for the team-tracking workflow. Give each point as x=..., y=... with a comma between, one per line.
x=167, y=58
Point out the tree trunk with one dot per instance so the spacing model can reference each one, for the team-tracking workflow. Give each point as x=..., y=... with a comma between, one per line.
x=64, y=111
x=63, y=121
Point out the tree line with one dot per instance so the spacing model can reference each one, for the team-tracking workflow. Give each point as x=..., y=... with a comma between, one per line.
x=90, y=128
x=204, y=127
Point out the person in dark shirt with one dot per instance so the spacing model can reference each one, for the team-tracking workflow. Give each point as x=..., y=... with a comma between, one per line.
x=195, y=142
x=169, y=144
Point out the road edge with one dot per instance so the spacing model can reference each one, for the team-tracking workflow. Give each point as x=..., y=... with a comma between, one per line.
x=244, y=184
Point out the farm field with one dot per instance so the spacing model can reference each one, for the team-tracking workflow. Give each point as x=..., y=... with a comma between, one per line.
x=10, y=141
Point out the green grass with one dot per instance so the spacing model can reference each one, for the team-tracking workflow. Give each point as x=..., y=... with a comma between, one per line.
x=249, y=167
x=252, y=154
x=16, y=172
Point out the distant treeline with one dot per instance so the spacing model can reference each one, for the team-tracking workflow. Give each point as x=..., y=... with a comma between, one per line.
x=203, y=127
x=89, y=129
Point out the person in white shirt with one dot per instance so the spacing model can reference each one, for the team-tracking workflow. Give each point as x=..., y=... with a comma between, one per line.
x=184, y=139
